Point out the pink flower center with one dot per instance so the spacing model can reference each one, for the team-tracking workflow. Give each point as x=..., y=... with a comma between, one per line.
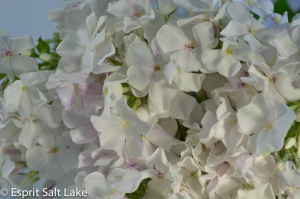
x=157, y=68
x=6, y=53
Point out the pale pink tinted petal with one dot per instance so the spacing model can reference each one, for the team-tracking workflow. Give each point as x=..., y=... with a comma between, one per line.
x=160, y=138
x=67, y=95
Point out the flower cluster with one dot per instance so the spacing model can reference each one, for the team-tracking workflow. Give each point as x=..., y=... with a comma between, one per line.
x=177, y=99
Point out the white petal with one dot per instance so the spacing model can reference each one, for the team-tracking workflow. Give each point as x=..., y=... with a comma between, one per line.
x=113, y=137
x=51, y=115
x=68, y=159
x=251, y=118
x=212, y=59
x=30, y=133
x=18, y=45
x=103, y=123
x=129, y=182
x=229, y=66
x=31, y=100
x=160, y=138
x=35, y=157
x=189, y=81
x=166, y=37
x=134, y=144
x=187, y=60
x=139, y=77
x=97, y=185
x=6, y=68
x=51, y=169
x=234, y=29
x=83, y=134
x=204, y=34
x=120, y=8
x=179, y=111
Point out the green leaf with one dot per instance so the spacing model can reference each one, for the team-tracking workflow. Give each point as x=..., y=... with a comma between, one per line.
x=140, y=192
x=281, y=6
x=43, y=46
x=33, y=53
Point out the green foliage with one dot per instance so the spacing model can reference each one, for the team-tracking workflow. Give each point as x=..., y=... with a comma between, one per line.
x=281, y=6
x=43, y=46
x=46, y=54
x=140, y=192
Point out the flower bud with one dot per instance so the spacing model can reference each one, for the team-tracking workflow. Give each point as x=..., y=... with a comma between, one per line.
x=26, y=53
x=263, y=156
x=46, y=57
x=289, y=143
x=280, y=166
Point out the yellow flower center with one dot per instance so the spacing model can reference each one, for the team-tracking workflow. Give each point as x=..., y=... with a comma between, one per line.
x=178, y=69
x=269, y=126
x=246, y=187
x=125, y=123
x=193, y=174
x=54, y=150
x=250, y=2
x=251, y=30
x=229, y=51
x=293, y=189
x=272, y=79
x=24, y=88
x=106, y=91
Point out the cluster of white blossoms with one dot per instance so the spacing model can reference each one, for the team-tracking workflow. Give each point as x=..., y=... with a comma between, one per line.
x=177, y=99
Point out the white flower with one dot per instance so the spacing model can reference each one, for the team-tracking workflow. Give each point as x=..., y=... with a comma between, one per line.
x=134, y=12
x=126, y=129
x=268, y=121
x=24, y=96
x=11, y=61
x=117, y=183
